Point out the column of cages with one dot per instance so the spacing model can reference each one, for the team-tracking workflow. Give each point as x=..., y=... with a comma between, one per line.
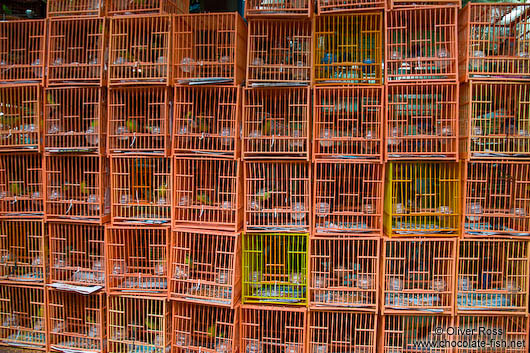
x=339, y=6
x=22, y=45
x=145, y=7
x=344, y=273
x=21, y=185
x=278, y=8
x=20, y=110
x=348, y=122
x=76, y=321
x=209, y=48
x=205, y=267
x=208, y=194
x=69, y=8
x=75, y=120
x=138, y=324
x=277, y=196
x=77, y=253
x=418, y=275
x=137, y=260
x=275, y=268
x=139, y=120
x=23, y=316
x=493, y=276
x=22, y=251
x=76, y=51
x=276, y=123
x=199, y=327
x=77, y=188
x=496, y=199
x=141, y=189
x=207, y=121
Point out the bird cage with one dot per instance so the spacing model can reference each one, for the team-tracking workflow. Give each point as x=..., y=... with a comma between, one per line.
x=348, y=49
x=275, y=268
x=493, y=275
x=208, y=194
x=75, y=8
x=277, y=196
x=76, y=51
x=494, y=41
x=421, y=44
x=348, y=122
x=338, y=6
x=139, y=50
x=276, y=123
x=77, y=188
x=138, y=324
x=141, y=190
x=143, y=7
x=210, y=48
x=279, y=52
x=416, y=333
x=207, y=121
x=22, y=251
x=139, y=120
x=422, y=198
x=20, y=109
x=137, y=260
x=21, y=191
x=348, y=198
x=77, y=253
x=496, y=199
x=22, y=44
x=278, y=8
x=76, y=321
x=23, y=317
x=399, y=4
x=342, y=331
x=418, y=275
x=494, y=120
x=205, y=267
x=500, y=333
x=75, y=120
x=344, y=273
x=272, y=329
x=204, y=328
x=422, y=121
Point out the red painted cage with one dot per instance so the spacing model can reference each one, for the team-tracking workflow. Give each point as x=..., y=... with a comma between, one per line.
x=75, y=8
x=127, y=7
x=278, y=8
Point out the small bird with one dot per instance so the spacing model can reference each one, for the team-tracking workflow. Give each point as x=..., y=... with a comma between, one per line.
x=264, y=194
x=131, y=125
x=15, y=189
x=83, y=188
x=212, y=330
x=50, y=99
x=151, y=324
x=203, y=198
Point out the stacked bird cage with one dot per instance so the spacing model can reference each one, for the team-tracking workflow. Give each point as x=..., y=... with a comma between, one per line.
x=340, y=6
x=278, y=8
x=126, y=7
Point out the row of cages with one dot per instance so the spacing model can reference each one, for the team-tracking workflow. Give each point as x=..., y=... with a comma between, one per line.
x=442, y=275
x=480, y=198
x=425, y=121
x=58, y=321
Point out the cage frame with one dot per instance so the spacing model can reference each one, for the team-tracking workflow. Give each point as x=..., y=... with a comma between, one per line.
x=389, y=286
x=450, y=214
x=53, y=9
x=31, y=124
x=264, y=98
x=391, y=77
x=252, y=10
x=177, y=249
x=117, y=216
x=517, y=264
x=351, y=170
x=60, y=236
x=352, y=94
x=35, y=291
x=118, y=111
x=23, y=242
x=78, y=300
x=465, y=43
x=234, y=93
x=164, y=7
x=98, y=123
x=99, y=200
x=368, y=249
x=419, y=105
x=274, y=76
x=399, y=4
x=37, y=67
x=350, y=6
x=238, y=46
x=34, y=204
